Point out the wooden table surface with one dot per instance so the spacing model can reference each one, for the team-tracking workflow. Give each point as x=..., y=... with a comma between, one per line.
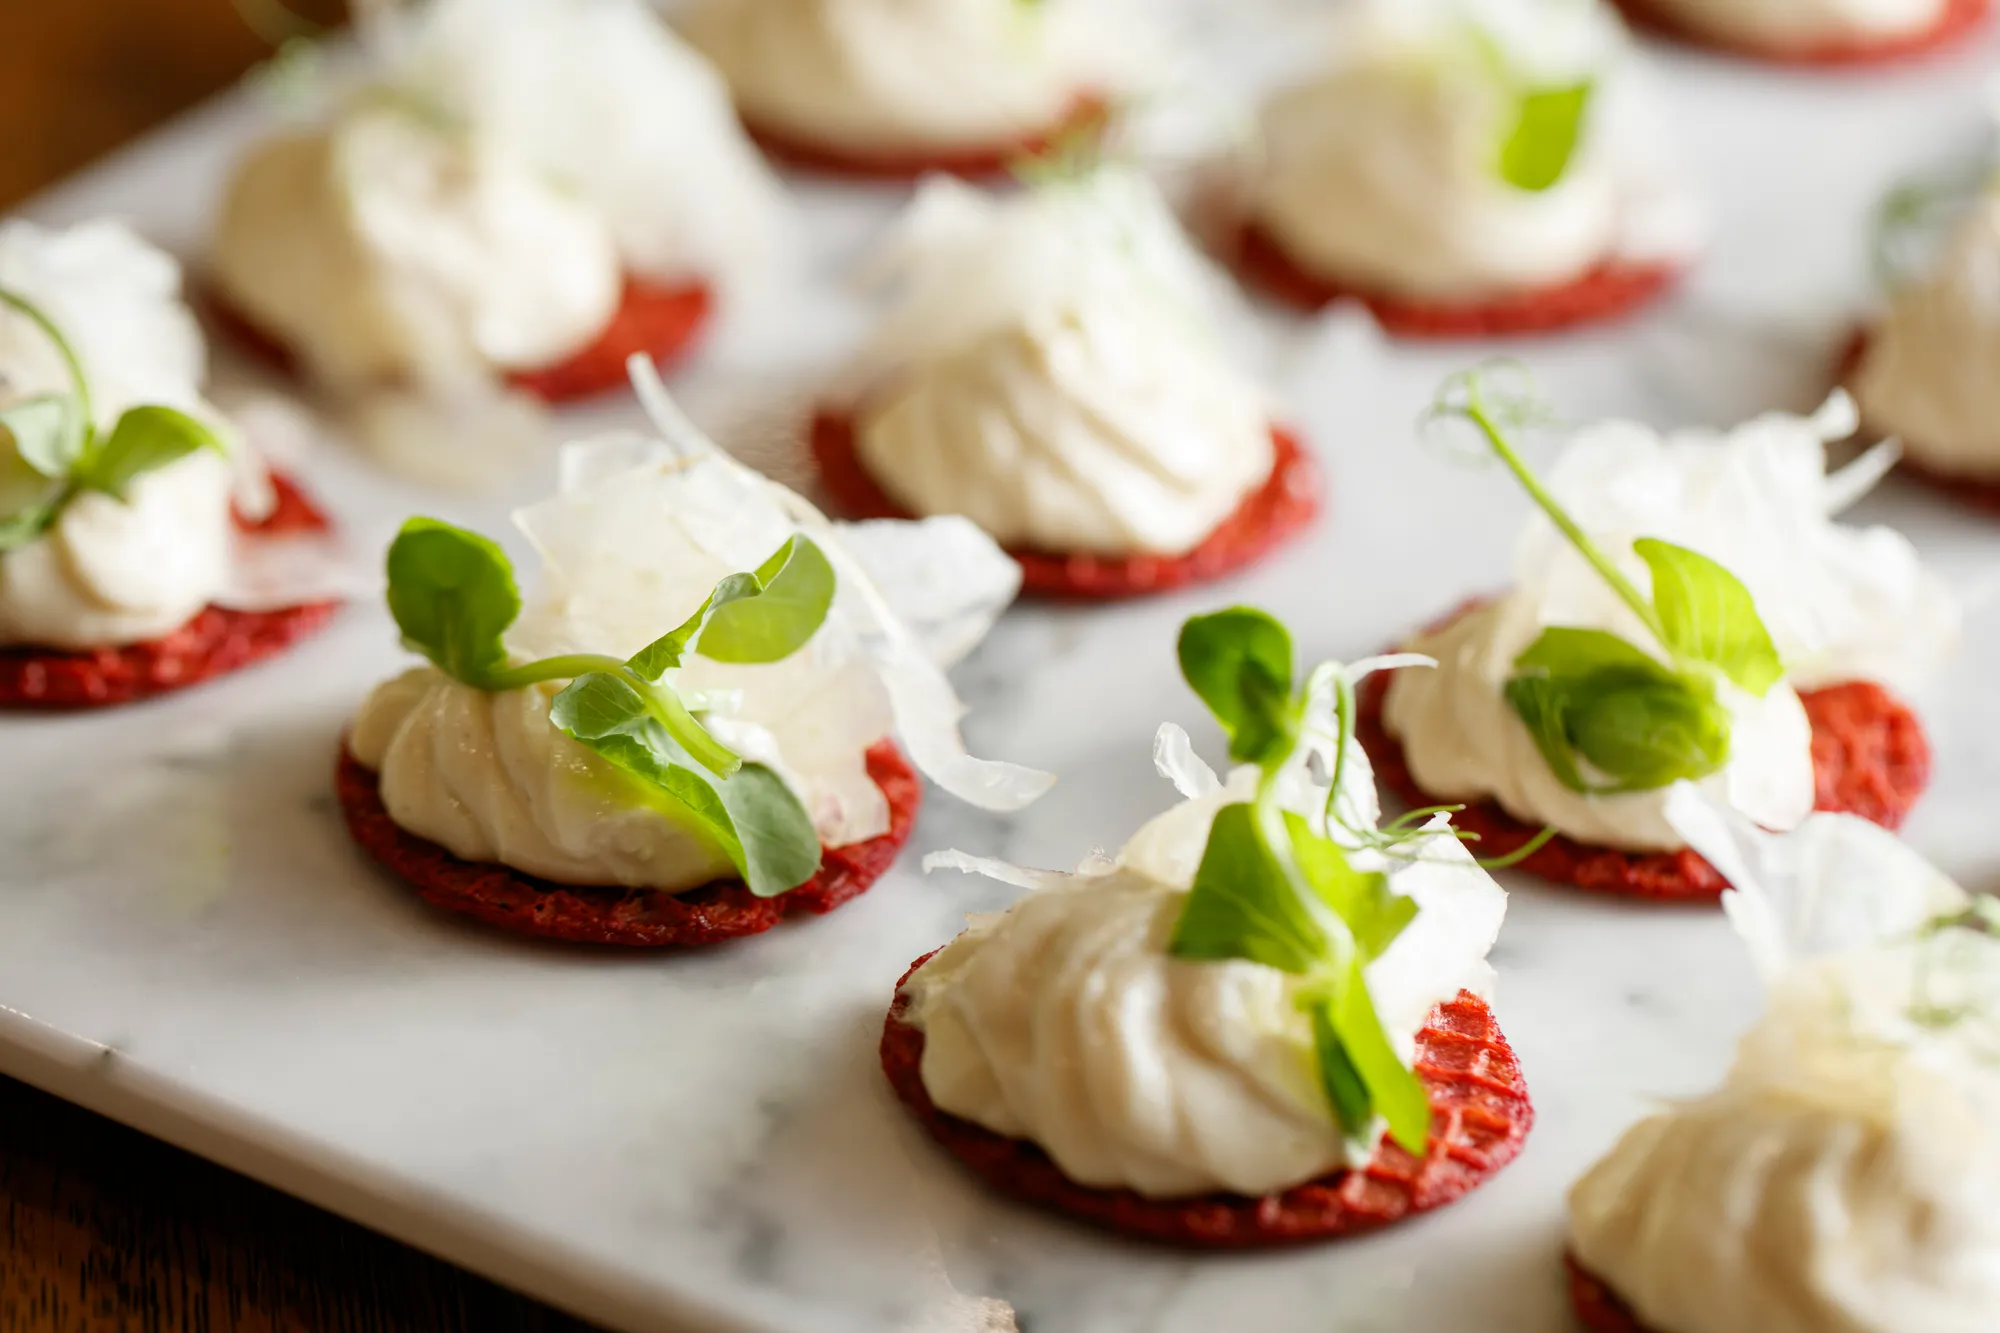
x=103, y=1230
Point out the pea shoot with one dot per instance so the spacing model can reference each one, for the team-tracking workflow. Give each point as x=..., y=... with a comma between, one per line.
x=64, y=453
x=453, y=596
x=1608, y=715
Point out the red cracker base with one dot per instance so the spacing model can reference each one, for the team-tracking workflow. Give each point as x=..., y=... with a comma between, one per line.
x=1596, y=1305
x=658, y=321
x=1870, y=758
x=1478, y=1097
x=215, y=642
x=635, y=918
x=1959, y=21
x=1086, y=117
x=1605, y=292
x=1270, y=516
x=1978, y=492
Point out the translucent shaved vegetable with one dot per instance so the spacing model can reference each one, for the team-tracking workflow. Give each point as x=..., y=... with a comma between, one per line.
x=1834, y=884
x=643, y=530
x=1840, y=602
x=1001, y=872
x=1174, y=757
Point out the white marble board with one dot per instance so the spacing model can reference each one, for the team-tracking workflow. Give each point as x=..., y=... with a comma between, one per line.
x=189, y=943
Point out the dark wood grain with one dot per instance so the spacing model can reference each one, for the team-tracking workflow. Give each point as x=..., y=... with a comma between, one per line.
x=80, y=77
x=103, y=1230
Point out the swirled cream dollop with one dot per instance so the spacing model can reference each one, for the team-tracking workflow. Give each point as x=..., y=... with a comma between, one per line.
x=384, y=247
x=112, y=572
x=1384, y=172
x=488, y=778
x=1804, y=23
x=480, y=206
x=1927, y=377
x=1841, y=604
x=1843, y=1176
x=109, y=572
x=1050, y=370
x=640, y=533
x=888, y=75
x=1065, y=1021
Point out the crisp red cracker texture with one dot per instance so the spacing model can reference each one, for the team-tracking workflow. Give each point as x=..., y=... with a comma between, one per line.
x=1870, y=758
x=1286, y=504
x=656, y=320
x=1596, y=1305
x=1086, y=117
x=1605, y=292
x=1979, y=492
x=636, y=918
x=1958, y=22
x=1478, y=1098
x=215, y=642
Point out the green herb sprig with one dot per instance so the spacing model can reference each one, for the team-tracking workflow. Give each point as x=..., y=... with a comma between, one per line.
x=1272, y=890
x=1544, y=124
x=1915, y=219
x=1606, y=715
x=1392, y=837
x=1944, y=935
x=453, y=596
x=1543, y=136
x=56, y=436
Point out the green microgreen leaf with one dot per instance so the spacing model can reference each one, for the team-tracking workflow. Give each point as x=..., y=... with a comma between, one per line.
x=26, y=524
x=749, y=618
x=453, y=596
x=1346, y=1091
x=602, y=703
x=45, y=432
x=1648, y=729
x=787, y=601
x=1374, y=914
x=1709, y=616
x=1242, y=904
x=1239, y=662
x=1639, y=723
x=1543, y=137
x=750, y=813
x=143, y=440
x=1565, y=651
x=1395, y=1092
x=1540, y=703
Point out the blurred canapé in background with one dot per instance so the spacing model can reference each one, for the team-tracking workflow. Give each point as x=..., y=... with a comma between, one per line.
x=80, y=77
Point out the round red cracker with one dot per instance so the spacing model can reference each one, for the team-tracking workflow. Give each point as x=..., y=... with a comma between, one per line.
x=1870, y=758
x=657, y=320
x=215, y=642
x=1482, y=1118
x=1286, y=504
x=1600, y=1309
x=1086, y=116
x=1606, y=292
x=1959, y=21
x=1978, y=492
x=634, y=918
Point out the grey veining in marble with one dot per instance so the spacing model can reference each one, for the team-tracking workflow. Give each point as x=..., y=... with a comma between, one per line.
x=188, y=941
